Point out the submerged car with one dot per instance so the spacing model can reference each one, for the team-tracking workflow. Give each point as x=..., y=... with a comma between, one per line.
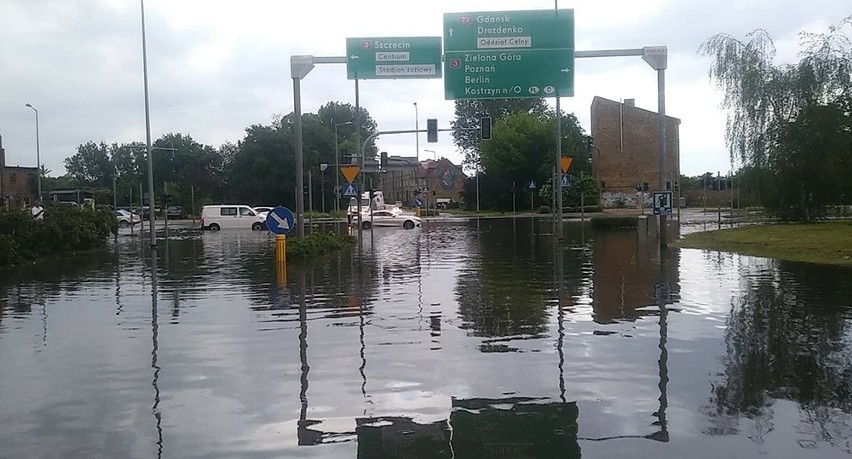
x=126, y=218
x=175, y=212
x=389, y=218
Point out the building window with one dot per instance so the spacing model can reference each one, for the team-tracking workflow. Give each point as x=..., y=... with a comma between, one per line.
x=13, y=178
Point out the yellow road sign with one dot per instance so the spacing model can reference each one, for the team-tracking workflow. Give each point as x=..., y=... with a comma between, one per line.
x=349, y=172
x=566, y=163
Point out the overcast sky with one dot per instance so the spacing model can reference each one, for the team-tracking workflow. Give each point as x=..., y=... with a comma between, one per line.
x=217, y=67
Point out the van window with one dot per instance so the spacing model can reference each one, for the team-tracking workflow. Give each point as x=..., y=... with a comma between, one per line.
x=228, y=211
x=246, y=212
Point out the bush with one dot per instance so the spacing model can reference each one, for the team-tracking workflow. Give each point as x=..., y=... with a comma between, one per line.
x=428, y=213
x=317, y=243
x=614, y=222
x=63, y=230
x=544, y=210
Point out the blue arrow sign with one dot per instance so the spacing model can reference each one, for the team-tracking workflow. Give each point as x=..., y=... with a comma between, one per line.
x=566, y=181
x=418, y=202
x=350, y=189
x=280, y=220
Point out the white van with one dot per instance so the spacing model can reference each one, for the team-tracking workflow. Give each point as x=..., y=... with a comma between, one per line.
x=231, y=216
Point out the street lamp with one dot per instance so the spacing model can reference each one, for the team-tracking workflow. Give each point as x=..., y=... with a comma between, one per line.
x=38, y=154
x=417, y=134
x=434, y=155
x=337, y=166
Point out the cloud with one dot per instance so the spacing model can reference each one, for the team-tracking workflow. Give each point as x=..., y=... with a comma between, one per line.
x=216, y=68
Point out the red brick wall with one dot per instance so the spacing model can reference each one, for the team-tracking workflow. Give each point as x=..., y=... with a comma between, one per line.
x=627, y=139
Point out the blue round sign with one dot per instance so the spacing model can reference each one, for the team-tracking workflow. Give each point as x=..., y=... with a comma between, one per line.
x=280, y=220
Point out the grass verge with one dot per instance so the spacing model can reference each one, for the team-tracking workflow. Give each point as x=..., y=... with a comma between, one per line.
x=826, y=243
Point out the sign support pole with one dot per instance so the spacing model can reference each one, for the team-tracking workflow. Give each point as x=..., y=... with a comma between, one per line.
x=558, y=184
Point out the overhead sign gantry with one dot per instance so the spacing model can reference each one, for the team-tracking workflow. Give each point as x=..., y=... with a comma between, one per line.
x=509, y=54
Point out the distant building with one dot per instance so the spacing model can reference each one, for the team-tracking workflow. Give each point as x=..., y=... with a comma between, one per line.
x=399, y=183
x=405, y=180
x=627, y=151
x=18, y=185
x=443, y=179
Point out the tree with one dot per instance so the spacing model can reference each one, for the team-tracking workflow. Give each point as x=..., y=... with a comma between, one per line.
x=469, y=114
x=792, y=121
x=91, y=167
x=523, y=148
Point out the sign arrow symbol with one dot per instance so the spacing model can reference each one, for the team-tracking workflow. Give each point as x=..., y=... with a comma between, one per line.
x=282, y=222
x=353, y=56
x=565, y=70
x=451, y=32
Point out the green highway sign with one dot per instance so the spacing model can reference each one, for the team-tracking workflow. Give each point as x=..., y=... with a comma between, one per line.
x=393, y=57
x=506, y=54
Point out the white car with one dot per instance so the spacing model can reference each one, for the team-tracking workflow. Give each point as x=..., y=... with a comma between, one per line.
x=126, y=218
x=233, y=216
x=391, y=218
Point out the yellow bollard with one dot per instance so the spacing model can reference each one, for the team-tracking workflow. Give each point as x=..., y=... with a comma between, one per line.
x=281, y=248
x=417, y=212
x=281, y=258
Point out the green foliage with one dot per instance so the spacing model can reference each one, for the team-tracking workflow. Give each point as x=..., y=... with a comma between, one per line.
x=615, y=222
x=469, y=114
x=317, y=243
x=91, y=165
x=544, y=210
x=63, y=230
x=790, y=123
x=522, y=149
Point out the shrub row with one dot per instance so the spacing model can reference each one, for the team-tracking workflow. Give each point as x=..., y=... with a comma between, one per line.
x=63, y=230
x=317, y=243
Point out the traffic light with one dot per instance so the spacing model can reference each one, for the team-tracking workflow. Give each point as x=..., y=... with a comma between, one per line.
x=645, y=186
x=431, y=130
x=384, y=160
x=485, y=128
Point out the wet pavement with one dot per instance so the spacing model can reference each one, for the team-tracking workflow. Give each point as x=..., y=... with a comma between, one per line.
x=466, y=338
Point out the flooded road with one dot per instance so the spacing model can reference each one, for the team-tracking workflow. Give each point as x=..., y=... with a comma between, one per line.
x=472, y=339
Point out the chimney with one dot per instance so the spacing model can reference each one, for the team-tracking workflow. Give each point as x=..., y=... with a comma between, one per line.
x=630, y=102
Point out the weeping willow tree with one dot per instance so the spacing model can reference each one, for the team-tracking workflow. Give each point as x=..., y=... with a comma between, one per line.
x=790, y=124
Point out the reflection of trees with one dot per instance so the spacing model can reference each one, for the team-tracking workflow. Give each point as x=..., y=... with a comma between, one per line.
x=787, y=339
x=477, y=427
x=506, y=287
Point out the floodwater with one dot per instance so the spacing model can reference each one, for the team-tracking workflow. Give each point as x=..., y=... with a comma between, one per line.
x=474, y=339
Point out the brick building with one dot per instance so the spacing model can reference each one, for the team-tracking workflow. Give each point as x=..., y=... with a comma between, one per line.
x=406, y=178
x=399, y=183
x=443, y=178
x=626, y=137
x=18, y=185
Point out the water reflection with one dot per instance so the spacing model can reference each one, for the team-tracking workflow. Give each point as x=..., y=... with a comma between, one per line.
x=788, y=338
x=493, y=428
x=479, y=339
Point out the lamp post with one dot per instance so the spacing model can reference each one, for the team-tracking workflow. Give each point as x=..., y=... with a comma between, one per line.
x=434, y=155
x=148, y=131
x=337, y=166
x=38, y=154
x=417, y=134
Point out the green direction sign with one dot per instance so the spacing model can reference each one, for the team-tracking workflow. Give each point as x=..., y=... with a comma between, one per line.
x=505, y=54
x=393, y=57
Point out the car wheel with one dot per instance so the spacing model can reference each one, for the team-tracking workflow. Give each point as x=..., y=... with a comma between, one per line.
x=256, y=227
x=408, y=224
x=214, y=227
x=124, y=223
x=366, y=225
